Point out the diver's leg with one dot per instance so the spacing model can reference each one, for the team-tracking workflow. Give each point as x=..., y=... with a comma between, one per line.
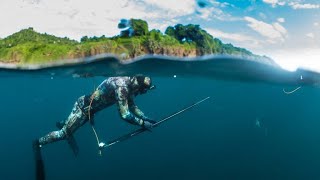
x=36, y=145
x=75, y=112
x=74, y=121
x=49, y=138
x=67, y=128
x=53, y=137
x=77, y=118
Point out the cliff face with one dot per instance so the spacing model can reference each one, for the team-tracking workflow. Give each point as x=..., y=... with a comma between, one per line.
x=129, y=52
x=169, y=51
x=178, y=52
x=47, y=53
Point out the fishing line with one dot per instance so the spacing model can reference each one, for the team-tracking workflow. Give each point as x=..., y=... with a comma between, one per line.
x=91, y=99
x=296, y=89
x=89, y=114
x=290, y=92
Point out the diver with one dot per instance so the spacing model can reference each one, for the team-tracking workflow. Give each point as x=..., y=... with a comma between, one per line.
x=113, y=90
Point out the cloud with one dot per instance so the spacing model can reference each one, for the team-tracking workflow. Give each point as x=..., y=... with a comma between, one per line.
x=262, y=15
x=316, y=24
x=162, y=26
x=274, y=32
x=70, y=18
x=225, y=4
x=214, y=10
x=274, y=3
x=236, y=39
x=293, y=5
x=310, y=35
x=279, y=28
x=176, y=7
x=296, y=5
x=230, y=36
x=211, y=13
x=282, y=20
x=210, y=3
x=205, y=13
x=75, y=19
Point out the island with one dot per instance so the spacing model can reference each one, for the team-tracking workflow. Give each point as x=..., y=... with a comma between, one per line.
x=134, y=40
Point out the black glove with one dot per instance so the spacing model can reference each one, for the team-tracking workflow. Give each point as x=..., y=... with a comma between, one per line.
x=148, y=124
x=150, y=120
x=145, y=118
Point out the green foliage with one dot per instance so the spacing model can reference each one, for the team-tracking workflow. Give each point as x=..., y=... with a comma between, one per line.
x=29, y=35
x=157, y=42
x=93, y=39
x=28, y=46
x=130, y=44
x=155, y=34
x=205, y=43
x=193, y=33
x=140, y=27
x=32, y=53
x=153, y=42
x=133, y=27
x=84, y=39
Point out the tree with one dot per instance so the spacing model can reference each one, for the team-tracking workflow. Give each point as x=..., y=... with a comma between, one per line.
x=133, y=27
x=155, y=34
x=192, y=33
x=140, y=27
x=84, y=39
x=170, y=31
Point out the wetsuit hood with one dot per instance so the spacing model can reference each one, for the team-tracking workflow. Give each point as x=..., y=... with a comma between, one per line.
x=142, y=83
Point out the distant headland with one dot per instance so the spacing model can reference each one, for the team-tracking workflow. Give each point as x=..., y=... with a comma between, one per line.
x=135, y=40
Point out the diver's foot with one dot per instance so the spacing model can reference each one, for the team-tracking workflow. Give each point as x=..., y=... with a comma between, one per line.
x=36, y=149
x=40, y=171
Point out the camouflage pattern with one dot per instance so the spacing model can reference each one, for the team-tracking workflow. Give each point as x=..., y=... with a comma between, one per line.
x=114, y=90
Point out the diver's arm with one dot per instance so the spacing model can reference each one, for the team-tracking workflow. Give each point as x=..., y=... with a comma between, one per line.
x=135, y=110
x=123, y=107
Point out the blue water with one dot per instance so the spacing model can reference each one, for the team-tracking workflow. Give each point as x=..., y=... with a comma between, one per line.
x=218, y=139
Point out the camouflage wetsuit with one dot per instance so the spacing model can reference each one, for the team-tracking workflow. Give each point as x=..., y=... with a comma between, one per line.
x=112, y=90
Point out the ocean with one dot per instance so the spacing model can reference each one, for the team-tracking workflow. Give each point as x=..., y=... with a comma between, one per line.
x=248, y=129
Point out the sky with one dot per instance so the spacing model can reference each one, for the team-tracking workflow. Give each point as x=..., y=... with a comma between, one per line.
x=288, y=31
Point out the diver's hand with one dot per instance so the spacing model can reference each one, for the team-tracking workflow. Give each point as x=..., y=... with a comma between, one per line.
x=150, y=120
x=147, y=124
x=102, y=145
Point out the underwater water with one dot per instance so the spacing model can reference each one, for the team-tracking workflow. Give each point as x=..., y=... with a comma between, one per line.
x=248, y=129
